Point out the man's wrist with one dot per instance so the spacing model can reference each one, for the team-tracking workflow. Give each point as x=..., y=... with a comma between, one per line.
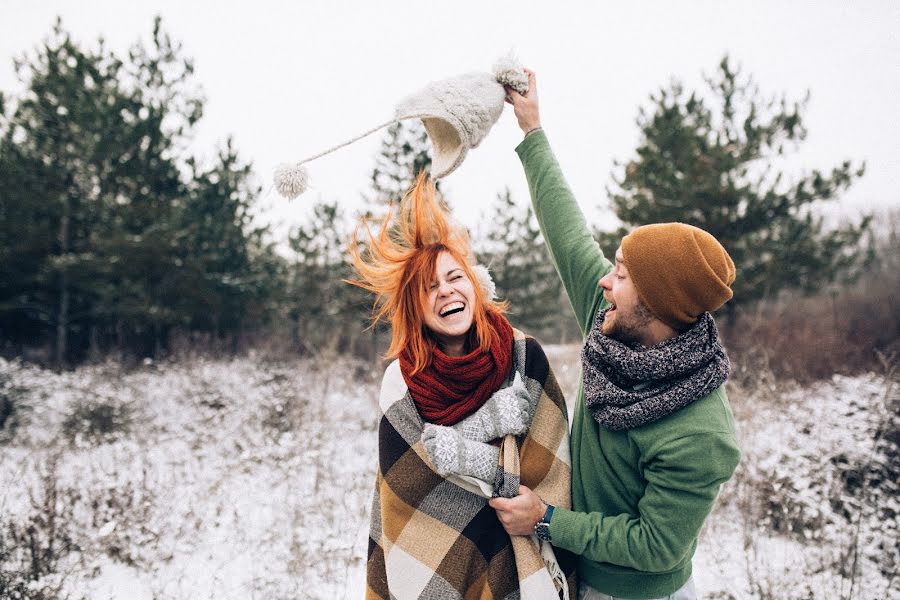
x=532, y=130
x=542, y=527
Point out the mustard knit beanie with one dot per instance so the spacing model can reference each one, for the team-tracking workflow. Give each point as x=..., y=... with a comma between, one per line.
x=679, y=271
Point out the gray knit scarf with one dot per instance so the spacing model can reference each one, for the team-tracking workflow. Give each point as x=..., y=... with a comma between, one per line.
x=628, y=385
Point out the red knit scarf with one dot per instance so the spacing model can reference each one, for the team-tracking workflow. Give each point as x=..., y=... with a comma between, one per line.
x=451, y=388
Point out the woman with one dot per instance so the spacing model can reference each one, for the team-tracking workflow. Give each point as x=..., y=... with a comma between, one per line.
x=463, y=377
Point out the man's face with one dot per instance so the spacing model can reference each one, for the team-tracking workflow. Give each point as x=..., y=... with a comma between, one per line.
x=627, y=319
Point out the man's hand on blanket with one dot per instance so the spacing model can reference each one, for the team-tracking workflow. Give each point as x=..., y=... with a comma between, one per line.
x=508, y=411
x=519, y=515
x=452, y=454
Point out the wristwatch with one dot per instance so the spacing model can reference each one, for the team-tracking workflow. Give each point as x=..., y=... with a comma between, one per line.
x=542, y=527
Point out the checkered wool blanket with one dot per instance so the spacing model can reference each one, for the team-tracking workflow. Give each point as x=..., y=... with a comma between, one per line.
x=435, y=537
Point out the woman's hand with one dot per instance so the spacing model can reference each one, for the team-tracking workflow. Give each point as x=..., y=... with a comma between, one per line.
x=526, y=105
x=507, y=411
x=451, y=454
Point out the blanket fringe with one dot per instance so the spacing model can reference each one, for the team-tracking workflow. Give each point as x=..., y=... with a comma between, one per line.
x=556, y=572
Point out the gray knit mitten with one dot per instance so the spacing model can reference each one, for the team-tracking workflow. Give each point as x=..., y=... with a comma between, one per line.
x=452, y=454
x=508, y=411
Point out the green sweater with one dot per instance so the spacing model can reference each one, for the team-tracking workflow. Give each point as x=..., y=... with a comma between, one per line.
x=639, y=496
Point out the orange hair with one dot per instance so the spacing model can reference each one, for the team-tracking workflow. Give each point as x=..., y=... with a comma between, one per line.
x=398, y=264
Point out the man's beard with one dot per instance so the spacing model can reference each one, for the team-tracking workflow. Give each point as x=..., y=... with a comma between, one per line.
x=628, y=330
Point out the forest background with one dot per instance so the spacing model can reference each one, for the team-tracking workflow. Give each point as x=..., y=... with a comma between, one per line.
x=116, y=239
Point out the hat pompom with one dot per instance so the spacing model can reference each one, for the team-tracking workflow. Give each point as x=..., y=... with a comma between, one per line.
x=291, y=180
x=485, y=281
x=508, y=71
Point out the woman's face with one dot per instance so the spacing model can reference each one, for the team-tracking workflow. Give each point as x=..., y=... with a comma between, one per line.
x=451, y=301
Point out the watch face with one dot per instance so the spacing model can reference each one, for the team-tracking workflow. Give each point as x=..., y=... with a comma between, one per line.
x=542, y=530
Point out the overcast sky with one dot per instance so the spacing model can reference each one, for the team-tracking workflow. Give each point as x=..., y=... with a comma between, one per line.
x=289, y=78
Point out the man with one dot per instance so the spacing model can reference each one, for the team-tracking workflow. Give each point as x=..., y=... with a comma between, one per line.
x=653, y=435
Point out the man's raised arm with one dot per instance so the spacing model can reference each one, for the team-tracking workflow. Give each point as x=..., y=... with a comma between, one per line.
x=573, y=250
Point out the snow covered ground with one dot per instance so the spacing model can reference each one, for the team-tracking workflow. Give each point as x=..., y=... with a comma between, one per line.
x=245, y=478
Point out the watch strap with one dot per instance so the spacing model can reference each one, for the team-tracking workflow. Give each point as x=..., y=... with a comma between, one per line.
x=542, y=527
x=548, y=514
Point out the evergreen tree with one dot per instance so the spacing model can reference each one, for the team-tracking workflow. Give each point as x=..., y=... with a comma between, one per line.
x=326, y=313
x=711, y=163
x=225, y=270
x=403, y=155
x=517, y=258
x=97, y=216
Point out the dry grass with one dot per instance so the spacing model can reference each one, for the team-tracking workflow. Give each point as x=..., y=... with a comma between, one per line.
x=839, y=330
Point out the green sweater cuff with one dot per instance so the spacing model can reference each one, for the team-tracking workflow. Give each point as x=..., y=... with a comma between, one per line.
x=535, y=139
x=565, y=529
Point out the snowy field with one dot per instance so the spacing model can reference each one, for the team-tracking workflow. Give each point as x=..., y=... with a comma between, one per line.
x=245, y=478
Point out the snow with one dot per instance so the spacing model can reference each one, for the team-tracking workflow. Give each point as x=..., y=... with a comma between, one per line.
x=234, y=479
x=247, y=478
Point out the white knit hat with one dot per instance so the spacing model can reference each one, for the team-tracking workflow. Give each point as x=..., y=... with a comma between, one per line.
x=457, y=113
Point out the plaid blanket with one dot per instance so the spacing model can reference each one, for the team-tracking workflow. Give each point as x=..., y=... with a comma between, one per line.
x=435, y=537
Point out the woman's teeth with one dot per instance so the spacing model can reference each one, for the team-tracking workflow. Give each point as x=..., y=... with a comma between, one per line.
x=452, y=308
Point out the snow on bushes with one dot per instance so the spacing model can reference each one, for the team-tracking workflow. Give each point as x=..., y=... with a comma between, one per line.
x=245, y=478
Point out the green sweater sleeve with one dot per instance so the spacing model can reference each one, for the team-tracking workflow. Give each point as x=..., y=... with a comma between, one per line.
x=573, y=250
x=683, y=477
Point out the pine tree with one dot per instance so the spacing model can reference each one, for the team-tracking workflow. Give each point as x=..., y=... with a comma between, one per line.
x=403, y=155
x=517, y=258
x=711, y=162
x=226, y=269
x=326, y=312
x=97, y=215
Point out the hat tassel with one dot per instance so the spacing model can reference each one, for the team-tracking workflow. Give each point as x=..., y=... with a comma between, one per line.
x=291, y=180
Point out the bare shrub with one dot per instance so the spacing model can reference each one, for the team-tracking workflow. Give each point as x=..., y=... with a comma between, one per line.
x=16, y=579
x=798, y=486
x=11, y=407
x=121, y=513
x=839, y=330
x=63, y=524
x=284, y=407
x=812, y=338
x=870, y=481
x=31, y=548
x=95, y=419
x=17, y=584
